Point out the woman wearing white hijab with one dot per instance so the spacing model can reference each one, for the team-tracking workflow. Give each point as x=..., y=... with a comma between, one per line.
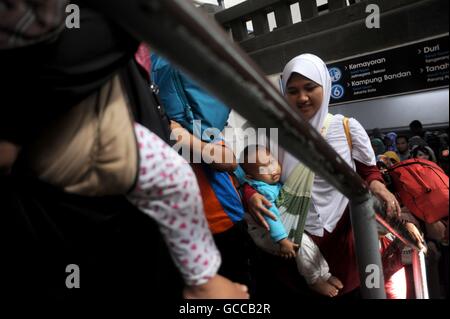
x=308, y=202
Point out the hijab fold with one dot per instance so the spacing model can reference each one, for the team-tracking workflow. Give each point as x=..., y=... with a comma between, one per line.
x=313, y=68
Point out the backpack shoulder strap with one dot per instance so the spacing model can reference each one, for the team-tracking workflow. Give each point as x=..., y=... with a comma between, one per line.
x=347, y=132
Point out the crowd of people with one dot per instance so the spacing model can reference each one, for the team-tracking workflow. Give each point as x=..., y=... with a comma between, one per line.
x=392, y=148
x=88, y=175
x=392, y=151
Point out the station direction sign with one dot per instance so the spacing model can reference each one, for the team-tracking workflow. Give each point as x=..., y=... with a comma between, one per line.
x=411, y=68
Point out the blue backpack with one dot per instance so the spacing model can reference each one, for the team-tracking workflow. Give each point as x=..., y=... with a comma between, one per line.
x=184, y=101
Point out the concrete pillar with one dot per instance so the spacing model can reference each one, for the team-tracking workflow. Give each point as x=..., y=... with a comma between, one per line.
x=308, y=9
x=283, y=14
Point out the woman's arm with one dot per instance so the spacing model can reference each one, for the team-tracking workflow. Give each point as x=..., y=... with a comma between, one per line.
x=168, y=192
x=415, y=233
x=364, y=157
x=372, y=176
x=217, y=156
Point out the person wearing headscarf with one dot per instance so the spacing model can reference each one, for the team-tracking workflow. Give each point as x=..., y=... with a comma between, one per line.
x=424, y=152
x=390, y=141
x=378, y=146
x=307, y=201
x=393, y=157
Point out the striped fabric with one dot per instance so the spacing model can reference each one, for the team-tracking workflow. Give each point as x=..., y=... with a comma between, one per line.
x=295, y=197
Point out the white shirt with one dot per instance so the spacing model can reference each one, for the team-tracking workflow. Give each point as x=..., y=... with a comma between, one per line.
x=327, y=204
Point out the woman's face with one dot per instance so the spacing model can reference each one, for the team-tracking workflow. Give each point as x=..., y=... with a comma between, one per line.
x=422, y=155
x=304, y=94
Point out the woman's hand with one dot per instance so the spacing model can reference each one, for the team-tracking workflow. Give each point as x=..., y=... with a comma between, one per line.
x=417, y=236
x=218, y=156
x=393, y=209
x=175, y=125
x=217, y=287
x=257, y=206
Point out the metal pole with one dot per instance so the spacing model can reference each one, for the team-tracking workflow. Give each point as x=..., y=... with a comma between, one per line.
x=367, y=248
x=394, y=226
x=420, y=275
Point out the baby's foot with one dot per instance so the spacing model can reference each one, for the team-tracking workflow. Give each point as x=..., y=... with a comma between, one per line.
x=324, y=288
x=335, y=282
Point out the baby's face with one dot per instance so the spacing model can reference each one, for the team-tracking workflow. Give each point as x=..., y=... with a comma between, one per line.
x=266, y=169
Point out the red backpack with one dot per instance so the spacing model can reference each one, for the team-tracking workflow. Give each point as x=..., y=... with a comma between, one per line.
x=422, y=187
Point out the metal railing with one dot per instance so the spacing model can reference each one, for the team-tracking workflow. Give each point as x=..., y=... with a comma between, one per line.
x=325, y=30
x=201, y=48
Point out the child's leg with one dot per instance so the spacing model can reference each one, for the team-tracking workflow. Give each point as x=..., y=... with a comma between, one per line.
x=310, y=262
x=314, y=268
x=167, y=191
x=261, y=236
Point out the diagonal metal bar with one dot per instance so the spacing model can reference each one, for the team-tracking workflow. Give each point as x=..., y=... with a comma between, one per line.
x=202, y=49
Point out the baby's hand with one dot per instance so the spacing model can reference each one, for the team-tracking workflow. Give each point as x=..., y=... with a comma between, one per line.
x=288, y=249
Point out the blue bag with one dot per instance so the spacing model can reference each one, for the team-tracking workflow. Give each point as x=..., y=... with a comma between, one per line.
x=185, y=102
